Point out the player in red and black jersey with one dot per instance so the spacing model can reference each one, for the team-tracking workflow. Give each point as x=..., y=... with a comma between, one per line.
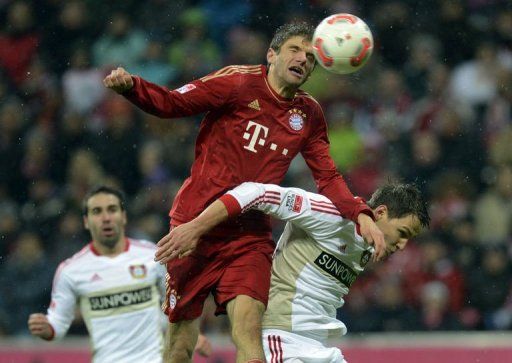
x=257, y=120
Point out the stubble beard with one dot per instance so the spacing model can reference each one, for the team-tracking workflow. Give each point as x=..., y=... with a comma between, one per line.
x=109, y=242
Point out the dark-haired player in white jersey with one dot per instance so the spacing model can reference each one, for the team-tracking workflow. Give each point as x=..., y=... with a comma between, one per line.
x=118, y=286
x=318, y=258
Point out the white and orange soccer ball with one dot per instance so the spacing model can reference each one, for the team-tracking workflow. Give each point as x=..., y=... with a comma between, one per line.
x=342, y=43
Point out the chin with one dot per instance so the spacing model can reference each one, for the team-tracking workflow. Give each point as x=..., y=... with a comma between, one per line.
x=295, y=83
x=110, y=242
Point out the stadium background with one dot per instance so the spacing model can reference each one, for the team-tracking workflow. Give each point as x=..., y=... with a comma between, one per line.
x=433, y=105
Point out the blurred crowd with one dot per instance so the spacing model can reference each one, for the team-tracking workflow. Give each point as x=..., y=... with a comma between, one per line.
x=433, y=105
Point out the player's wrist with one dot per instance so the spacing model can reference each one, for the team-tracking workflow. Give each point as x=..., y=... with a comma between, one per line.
x=200, y=227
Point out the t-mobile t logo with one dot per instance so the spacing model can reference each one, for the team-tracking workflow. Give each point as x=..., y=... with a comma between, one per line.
x=253, y=135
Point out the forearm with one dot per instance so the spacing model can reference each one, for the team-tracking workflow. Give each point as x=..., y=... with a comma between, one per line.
x=349, y=206
x=150, y=98
x=212, y=216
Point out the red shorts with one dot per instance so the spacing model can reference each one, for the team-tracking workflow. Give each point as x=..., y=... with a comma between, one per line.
x=224, y=266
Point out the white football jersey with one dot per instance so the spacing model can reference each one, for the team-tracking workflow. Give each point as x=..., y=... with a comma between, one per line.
x=317, y=258
x=119, y=298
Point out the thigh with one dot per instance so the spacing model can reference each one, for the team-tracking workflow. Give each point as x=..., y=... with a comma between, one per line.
x=189, y=281
x=246, y=274
x=245, y=311
x=285, y=347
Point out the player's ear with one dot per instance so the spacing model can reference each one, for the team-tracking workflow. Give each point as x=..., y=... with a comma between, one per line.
x=86, y=222
x=380, y=212
x=271, y=54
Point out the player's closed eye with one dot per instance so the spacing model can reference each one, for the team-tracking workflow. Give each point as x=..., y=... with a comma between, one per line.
x=113, y=209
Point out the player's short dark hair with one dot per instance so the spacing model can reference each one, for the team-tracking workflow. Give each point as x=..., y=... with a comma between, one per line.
x=402, y=200
x=292, y=29
x=103, y=189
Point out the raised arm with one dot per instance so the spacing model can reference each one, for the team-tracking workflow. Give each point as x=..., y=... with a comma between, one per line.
x=193, y=98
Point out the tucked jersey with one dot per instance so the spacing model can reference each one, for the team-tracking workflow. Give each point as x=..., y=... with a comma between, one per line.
x=249, y=133
x=119, y=299
x=317, y=259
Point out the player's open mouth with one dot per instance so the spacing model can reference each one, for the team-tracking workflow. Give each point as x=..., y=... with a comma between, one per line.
x=299, y=72
x=108, y=230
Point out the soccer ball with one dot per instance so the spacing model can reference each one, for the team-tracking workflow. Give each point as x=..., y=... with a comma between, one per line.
x=342, y=43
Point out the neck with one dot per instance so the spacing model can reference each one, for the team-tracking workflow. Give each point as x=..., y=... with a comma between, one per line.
x=279, y=86
x=117, y=249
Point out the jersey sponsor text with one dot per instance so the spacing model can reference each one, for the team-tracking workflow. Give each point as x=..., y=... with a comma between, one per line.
x=121, y=299
x=336, y=268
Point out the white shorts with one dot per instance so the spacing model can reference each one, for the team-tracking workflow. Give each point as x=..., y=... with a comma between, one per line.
x=284, y=347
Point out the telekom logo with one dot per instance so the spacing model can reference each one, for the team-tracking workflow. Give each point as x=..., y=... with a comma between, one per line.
x=254, y=135
x=257, y=135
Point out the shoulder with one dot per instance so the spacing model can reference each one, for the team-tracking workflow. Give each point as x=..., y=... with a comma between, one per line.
x=321, y=204
x=318, y=197
x=235, y=71
x=75, y=261
x=142, y=244
x=309, y=102
x=141, y=250
x=307, y=98
x=314, y=198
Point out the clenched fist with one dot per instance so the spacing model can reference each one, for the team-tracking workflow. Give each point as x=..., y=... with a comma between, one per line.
x=119, y=80
x=39, y=326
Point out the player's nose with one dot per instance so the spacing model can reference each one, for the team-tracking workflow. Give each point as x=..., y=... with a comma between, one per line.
x=301, y=57
x=106, y=217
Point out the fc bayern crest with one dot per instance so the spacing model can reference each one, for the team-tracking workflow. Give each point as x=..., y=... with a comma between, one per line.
x=296, y=122
x=173, y=299
x=297, y=118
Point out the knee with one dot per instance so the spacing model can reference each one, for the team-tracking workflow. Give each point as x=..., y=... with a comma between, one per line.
x=179, y=350
x=180, y=343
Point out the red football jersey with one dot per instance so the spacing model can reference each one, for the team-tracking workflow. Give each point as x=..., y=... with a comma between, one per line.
x=249, y=133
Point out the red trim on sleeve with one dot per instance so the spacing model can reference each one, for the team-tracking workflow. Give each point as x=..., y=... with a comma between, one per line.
x=368, y=212
x=234, y=208
x=53, y=333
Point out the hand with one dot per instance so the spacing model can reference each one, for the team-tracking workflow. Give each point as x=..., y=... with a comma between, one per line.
x=203, y=346
x=372, y=235
x=39, y=326
x=181, y=241
x=119, y=80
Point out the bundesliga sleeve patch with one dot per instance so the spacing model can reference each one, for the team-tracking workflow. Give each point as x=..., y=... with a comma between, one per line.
x=294, y=202
x=186, y=88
